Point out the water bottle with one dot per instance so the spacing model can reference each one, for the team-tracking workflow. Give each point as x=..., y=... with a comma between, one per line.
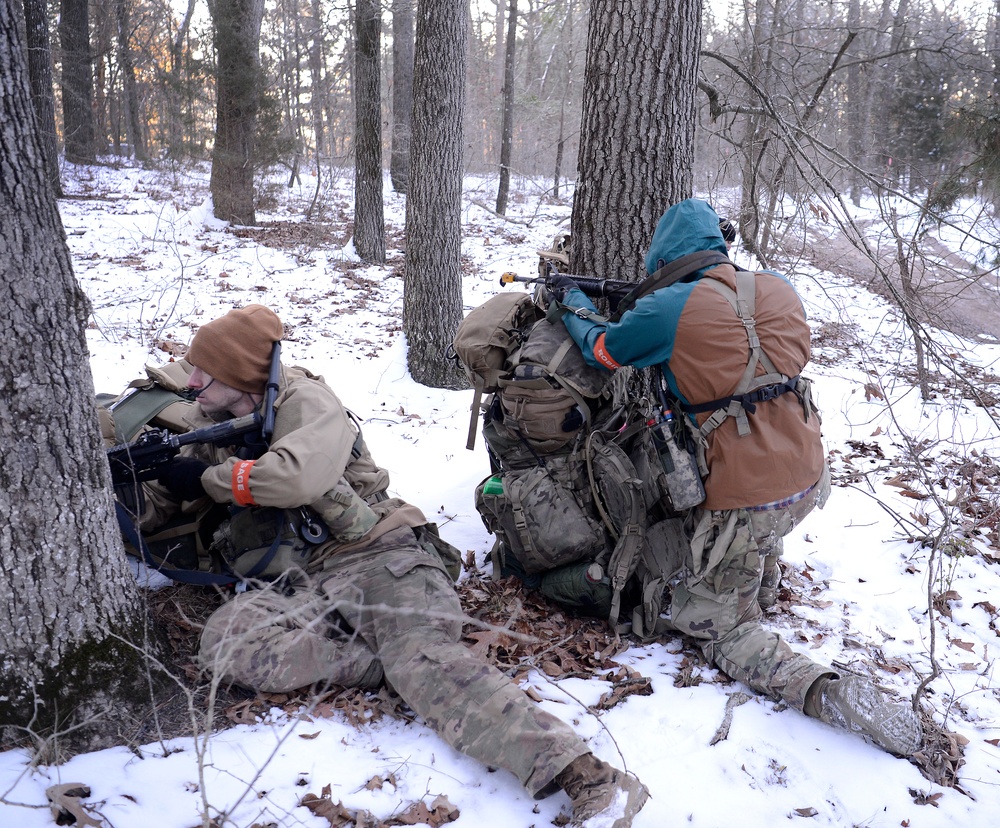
x=684, y=487
x=493, y=486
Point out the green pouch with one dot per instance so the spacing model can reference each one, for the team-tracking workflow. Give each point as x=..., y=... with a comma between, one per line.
x=262, y=543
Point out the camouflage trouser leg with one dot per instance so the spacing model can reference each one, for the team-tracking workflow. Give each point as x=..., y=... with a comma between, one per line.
x=273, y=642
x=717, y=601
x=401, y=601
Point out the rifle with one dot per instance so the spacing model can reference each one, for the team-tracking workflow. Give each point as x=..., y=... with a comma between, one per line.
x=612, y=290
x=142, y=459
x=629, y=292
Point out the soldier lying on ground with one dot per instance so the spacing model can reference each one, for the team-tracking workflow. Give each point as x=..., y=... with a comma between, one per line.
x=371, y=603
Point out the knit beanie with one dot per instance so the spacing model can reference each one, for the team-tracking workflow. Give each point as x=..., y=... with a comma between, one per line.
x=236, y=348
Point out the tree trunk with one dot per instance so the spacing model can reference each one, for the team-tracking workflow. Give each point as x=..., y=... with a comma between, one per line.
x=237, y=45
x=133, y=120
x=565, y=98
x=40, y=74
x=71, y=625
x=369, y=220
x=432, y=300
x=507, y=118
x=77, y=82
x=637, y=134
x=173, y=87
x=316, y=81
x=402, y=93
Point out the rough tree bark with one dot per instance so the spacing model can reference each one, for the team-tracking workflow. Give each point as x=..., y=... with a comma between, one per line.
x=72, y=627
x=432, y=299
x=637, y=133
x=40, y=75
x=402, y=93
x=77, y=81
x=369, y=218
x=237, y=44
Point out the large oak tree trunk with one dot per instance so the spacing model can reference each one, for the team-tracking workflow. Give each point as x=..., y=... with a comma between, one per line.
x=72, y=628
x=77, y=82
x=637, y=135
x=369, y=217
x=402, y=92
x=237, y=44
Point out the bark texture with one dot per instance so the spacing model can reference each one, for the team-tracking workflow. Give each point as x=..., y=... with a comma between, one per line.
x=237, y=44
x=71, y=626
x=637, y=132
x=369, y=218
x=432, y=302
x=77, y=82
x=402, y=92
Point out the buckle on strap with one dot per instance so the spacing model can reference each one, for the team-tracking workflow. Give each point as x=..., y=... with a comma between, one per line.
x=747, y=401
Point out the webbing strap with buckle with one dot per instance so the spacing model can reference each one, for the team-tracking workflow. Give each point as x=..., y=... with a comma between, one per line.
x=747, y=401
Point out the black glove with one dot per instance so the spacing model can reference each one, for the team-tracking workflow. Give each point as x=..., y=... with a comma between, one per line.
x=182, y=478
x=559, y=285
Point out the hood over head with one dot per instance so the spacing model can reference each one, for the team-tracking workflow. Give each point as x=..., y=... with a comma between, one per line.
x=687, y=227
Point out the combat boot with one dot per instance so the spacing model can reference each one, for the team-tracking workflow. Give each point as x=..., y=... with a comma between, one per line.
x=602, y=796
x=855, y=704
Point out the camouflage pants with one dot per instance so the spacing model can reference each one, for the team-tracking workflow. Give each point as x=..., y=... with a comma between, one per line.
x=716, y=602
x=402, y=616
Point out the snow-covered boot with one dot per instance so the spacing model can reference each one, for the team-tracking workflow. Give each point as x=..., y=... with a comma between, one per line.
x=855, y=704
x=602, y=796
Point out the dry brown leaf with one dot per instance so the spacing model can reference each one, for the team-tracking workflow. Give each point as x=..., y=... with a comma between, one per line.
x=64, y=802
x=441, y=811
x=323, y=806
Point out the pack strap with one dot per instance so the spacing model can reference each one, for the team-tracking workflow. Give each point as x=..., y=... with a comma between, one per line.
x=628, y=542
x=669, y=274
x=747, y=401
x=771, y=384
x=127, y=524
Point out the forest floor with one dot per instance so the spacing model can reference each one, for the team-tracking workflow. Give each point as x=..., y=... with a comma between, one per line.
x=949, y=290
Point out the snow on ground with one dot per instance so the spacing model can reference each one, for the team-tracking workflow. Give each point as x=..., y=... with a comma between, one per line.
x=156, y=264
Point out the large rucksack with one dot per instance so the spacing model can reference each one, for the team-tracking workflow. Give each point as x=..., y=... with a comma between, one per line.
x=577, y=482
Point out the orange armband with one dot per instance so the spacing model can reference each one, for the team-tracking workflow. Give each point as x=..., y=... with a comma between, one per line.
x=241, y=483
x=602, y=356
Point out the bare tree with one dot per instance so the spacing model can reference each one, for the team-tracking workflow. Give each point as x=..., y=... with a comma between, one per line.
x=507, y=119
x=71, y=624
x=77, y=81
x=133, y=120
x=40, y=75
x=237, y=38
x=369, y=219
x=432, y=301
x=402, y=92
x=637, y=135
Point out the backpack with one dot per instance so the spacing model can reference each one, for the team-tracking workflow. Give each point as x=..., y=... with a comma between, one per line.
x=545, y=390
x=576, y=475
x=161, y=400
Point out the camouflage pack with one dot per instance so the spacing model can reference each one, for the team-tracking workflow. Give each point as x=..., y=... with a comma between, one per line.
x=578, y=499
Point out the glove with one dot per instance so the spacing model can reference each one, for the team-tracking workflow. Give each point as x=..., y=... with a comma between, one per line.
x=182, y=478
x=559, y=285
